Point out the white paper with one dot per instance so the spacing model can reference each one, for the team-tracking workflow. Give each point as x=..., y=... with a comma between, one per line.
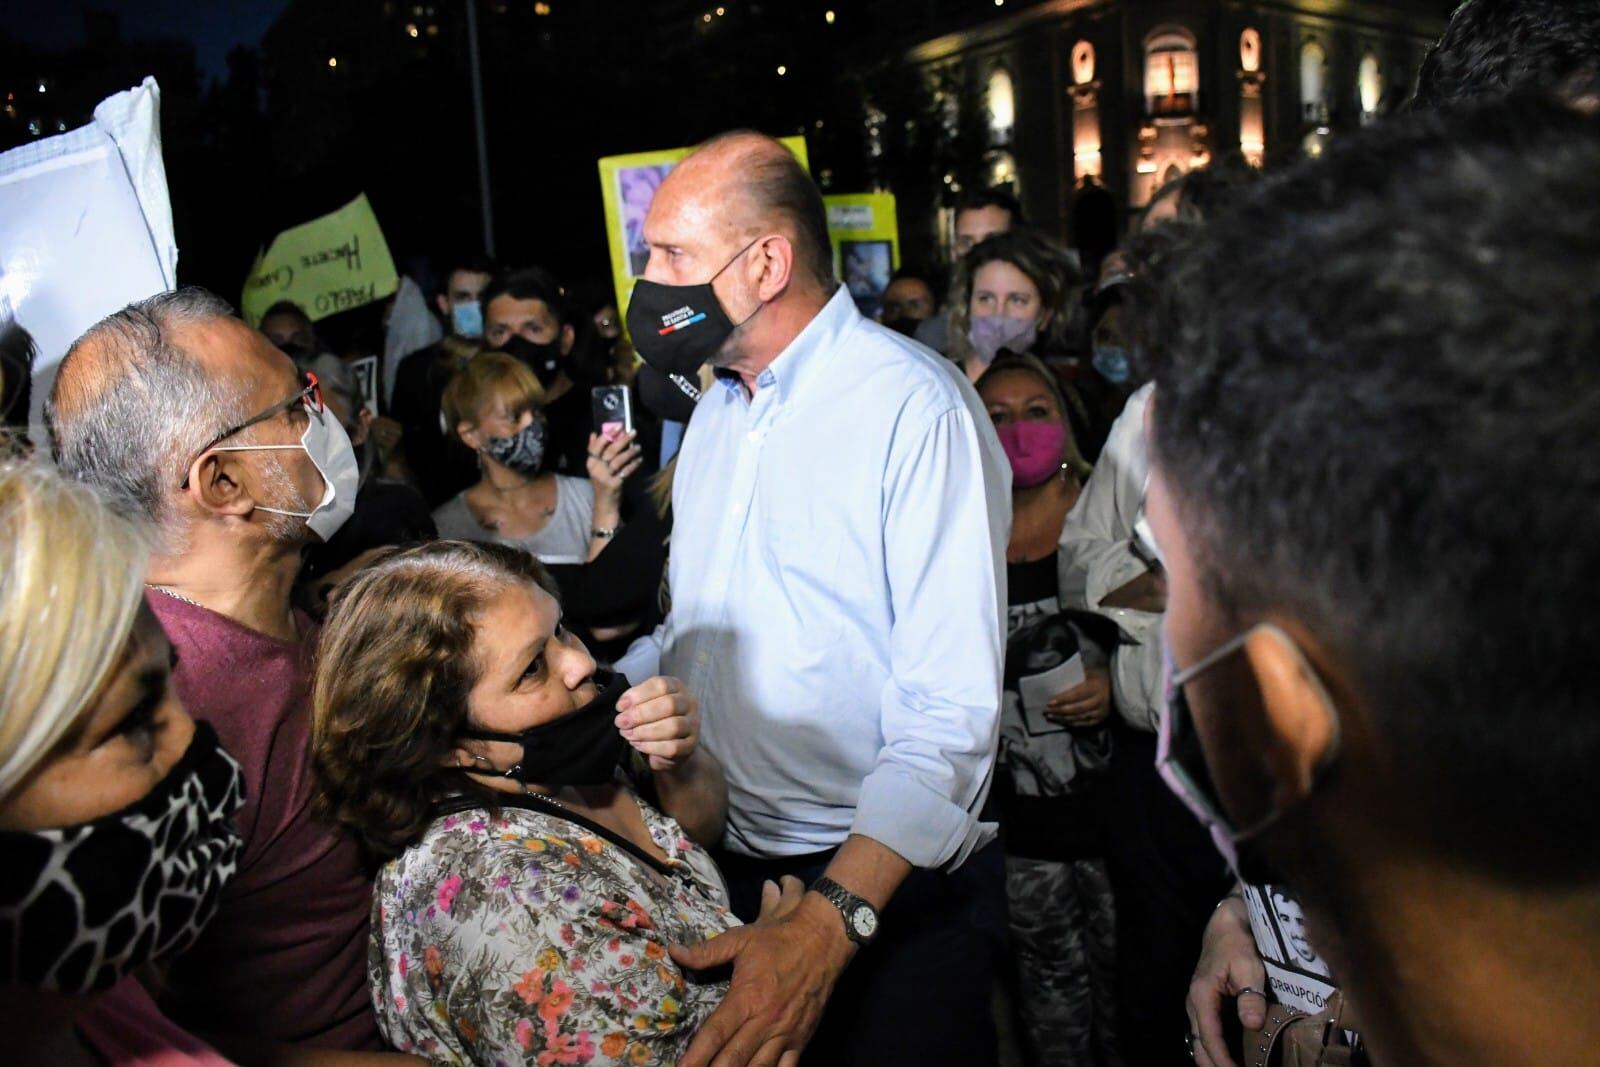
x=1037, y=690
x=85, y=228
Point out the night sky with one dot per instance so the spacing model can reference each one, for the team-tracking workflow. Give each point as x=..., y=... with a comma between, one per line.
x=214, y=26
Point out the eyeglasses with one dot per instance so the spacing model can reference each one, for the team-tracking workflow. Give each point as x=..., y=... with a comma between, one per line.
x=1180, y=758
x=310, y=395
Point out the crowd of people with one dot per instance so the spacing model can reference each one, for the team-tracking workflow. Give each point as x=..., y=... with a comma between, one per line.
x=1179, y=657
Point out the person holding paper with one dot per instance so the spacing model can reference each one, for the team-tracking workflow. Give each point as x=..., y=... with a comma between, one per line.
x=1054, y=742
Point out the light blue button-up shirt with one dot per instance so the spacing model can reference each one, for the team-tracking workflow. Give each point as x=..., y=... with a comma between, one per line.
x=838, y=595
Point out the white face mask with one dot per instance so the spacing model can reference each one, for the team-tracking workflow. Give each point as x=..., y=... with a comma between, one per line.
x=326, y=442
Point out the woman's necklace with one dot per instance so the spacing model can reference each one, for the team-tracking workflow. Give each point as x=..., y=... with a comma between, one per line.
x=170, y=593
x=542, y=796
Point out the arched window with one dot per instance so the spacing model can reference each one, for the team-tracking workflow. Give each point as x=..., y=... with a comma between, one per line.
x=1314, y=83
x=1002, y=106
x=1082, y=63
x=1250, y=51
x=1171, y=73
x=1369, y=81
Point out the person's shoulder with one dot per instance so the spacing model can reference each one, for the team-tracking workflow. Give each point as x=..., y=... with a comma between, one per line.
x=896, y=365
x=453, y=516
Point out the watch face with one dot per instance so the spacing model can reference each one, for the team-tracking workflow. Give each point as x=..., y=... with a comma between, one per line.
x=864, y=922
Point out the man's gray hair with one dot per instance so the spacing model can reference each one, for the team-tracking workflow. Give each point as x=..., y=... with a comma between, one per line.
x=130, y=406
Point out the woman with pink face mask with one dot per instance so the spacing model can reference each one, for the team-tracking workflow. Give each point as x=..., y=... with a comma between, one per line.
x=1054, y=742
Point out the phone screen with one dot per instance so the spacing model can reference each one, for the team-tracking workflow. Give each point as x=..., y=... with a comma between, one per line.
x=613, y=411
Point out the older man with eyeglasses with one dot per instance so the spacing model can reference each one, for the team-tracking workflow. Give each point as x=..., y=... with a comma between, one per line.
x=197, y=423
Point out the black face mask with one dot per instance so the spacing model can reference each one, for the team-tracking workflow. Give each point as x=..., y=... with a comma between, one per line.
x=676, y=328
x=84, y=906
x=670, y=396
x=544, y=360
x=581, y=748
x=903, y=325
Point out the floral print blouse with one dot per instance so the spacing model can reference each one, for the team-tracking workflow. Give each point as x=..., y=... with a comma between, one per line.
x=524, y=938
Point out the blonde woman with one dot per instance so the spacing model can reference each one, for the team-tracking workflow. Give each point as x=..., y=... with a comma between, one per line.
x=116, y=809
x=493, y=406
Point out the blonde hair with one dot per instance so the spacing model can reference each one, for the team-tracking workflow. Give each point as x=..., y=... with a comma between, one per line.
x=70, y=586
x=488, y=382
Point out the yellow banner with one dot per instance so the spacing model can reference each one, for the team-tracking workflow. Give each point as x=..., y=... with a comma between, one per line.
x=866, y=245
x=328, y=265
x=627, y=186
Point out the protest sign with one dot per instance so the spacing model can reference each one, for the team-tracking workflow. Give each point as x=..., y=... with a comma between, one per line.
x=627, y=186
x=85, y=228
x=866, y=245
x=328, y=265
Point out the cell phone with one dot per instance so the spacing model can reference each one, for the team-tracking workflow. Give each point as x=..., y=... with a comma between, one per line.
x=613, y=411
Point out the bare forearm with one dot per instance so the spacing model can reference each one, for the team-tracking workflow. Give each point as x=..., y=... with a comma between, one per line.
x=868, y=869
x=696, y=794
x=1145, y=593
x=607, y=516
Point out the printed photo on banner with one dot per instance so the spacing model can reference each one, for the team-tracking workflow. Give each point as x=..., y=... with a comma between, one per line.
x=1296, y=973
x=866, y=245
x=636, y=188
x=628, y=185
x=867, y=267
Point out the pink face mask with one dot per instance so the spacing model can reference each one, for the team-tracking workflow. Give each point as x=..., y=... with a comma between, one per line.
x=1034, y=449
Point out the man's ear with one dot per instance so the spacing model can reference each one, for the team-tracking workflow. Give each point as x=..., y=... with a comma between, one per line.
x=217, y=485
x=776, y=263
x=363, y=427
x=1300, y=723
x=470, y=436
x=568, y=337
x=442, y=302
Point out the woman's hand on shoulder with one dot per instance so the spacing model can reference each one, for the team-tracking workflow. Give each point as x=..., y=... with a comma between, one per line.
x=661, y=719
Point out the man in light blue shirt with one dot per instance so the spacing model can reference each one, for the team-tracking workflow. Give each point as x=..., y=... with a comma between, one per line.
x=841, y=511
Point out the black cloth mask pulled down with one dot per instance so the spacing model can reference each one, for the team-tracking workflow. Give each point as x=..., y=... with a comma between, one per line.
x=583, y=747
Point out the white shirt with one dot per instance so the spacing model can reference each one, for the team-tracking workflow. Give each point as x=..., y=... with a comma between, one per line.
x=838, y=595
x=1097, y=557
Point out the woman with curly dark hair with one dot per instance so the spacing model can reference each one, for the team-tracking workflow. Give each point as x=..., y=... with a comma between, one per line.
x=527, y=896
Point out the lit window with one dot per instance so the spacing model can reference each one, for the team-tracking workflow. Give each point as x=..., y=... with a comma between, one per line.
x=1082, y=63
x=1370, y=83
x=1313, y=83
x=333, y=61
x=1171, y=73
x=411, y=29
x=1250, y=51
x=541, y=8
x=827, y=16
x=1002, y=106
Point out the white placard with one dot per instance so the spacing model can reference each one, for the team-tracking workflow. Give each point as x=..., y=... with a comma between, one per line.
x=85, y=228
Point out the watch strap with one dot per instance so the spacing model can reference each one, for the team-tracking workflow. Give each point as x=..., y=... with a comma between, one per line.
x=850, y=906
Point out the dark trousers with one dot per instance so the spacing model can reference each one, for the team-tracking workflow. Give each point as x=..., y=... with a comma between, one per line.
x=921, y=993
x=1166, y=877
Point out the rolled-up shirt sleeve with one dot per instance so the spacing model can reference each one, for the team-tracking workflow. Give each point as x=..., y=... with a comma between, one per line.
x=945, y=526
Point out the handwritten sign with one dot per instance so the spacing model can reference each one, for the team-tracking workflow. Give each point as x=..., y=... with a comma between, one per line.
x=328, y=265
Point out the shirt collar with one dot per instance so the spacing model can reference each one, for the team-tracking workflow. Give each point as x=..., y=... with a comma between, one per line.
x=795, y=364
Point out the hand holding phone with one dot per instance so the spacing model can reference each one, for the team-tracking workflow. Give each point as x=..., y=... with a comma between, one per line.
x=613, y=411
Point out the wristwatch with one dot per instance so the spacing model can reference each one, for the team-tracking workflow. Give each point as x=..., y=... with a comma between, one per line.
x=860, y=917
